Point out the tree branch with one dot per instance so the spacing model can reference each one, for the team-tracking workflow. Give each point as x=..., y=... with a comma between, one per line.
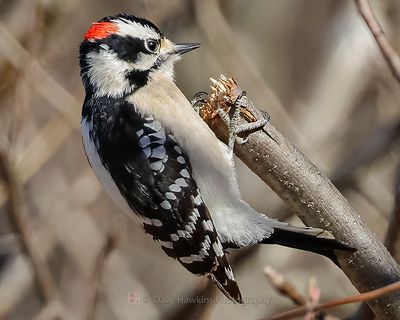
x=374, y=294
x=392, y=240
x=389, y=54
x=315, y=200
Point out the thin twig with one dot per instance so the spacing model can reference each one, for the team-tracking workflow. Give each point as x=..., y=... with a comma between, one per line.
x=367, y=296
x=319, y=204
x=17, y=215
x=389, y=54
x=287, y=289
x=283, y=286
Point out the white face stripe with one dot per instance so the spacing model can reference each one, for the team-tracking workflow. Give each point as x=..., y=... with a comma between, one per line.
x=107, y=73
x=144, y=61
x=135, y=29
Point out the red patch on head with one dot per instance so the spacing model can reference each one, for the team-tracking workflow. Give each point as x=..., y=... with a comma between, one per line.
x=100, y=30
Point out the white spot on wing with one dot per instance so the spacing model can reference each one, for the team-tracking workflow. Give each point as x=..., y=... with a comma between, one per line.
x=196, y=213
x=181, y=182
x=175, y=188
x=191, y=225
x=165, y=205
x=181, y=233
x=156, y=166
x=146, y=220
x=218, y=248
x=181, y=159
x=196, y=257
x=186, y=259
x=156, y=222
x=229, y=273
x=197, y=200
x=177, y=149
x=188, y=228
x=193, y=218
x=170, y=196
x=166, y=244
x=206, y=243
x=207, y=225
x=184, y=173
x=174, y=237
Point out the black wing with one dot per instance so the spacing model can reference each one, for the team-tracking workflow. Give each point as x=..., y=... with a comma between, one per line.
x=154, y=176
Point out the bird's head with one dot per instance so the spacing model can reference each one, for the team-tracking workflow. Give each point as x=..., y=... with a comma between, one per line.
x=122, y=53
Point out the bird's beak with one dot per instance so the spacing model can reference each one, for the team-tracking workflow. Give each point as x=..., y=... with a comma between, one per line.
x=182, y=48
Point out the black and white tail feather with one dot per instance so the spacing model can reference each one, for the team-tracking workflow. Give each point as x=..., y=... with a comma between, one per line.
x=160, y=162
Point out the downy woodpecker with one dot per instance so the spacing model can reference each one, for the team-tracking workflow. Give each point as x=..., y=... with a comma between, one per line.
x=161, y=163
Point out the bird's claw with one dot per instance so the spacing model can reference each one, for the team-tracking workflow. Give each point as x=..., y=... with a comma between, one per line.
x=240, y=140
x=198, y=100
x=232, y=123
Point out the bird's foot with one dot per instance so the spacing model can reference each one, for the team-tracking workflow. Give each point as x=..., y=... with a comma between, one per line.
x=234, y=128
x=198, y=100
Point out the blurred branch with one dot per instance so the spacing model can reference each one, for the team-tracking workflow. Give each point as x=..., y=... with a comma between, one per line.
x=287, y=289
x=367, y=296
x=283, y=286
x=224, y=41
x=23, y=89
x=318, y=203
x=43, y=145
x=105, y=251
x=51, y=311
x=17, y=215
x=57, y=129
x=50, y=89
x=392, y=240
x=389, y=54
x=9, y=244
x=373, y=147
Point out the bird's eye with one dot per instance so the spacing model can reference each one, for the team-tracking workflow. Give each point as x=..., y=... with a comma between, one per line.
x=151, y=45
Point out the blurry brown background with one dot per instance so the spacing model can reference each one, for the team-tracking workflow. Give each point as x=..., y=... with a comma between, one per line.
x=332, y=94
